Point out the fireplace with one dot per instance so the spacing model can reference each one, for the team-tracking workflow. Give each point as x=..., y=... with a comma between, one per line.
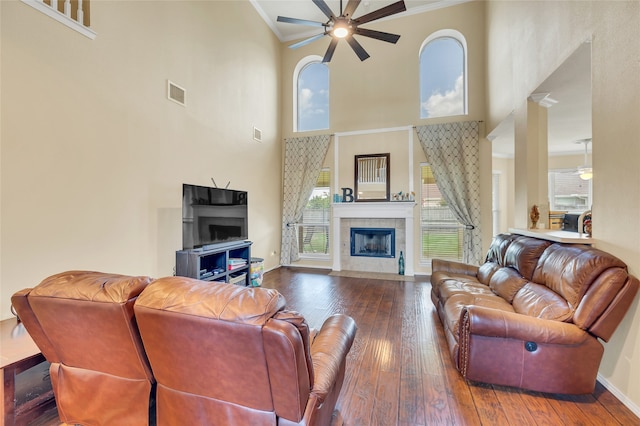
x=373, y=242
x=394, y=215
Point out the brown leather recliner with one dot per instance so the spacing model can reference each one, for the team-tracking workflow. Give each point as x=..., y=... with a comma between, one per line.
x=229, y=355
x=84, y=325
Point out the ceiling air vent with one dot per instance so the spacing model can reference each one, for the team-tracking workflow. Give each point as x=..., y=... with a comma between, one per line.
x=176, y=93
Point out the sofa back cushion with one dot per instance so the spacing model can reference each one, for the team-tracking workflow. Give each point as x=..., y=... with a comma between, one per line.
x=506, y=282
x=524, y=253
x=498, y=248
x=495, y=257
x=536, y=300
x=569, y=270
x=486, y=271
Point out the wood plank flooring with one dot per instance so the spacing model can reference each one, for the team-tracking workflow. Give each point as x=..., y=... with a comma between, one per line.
x=399, y=371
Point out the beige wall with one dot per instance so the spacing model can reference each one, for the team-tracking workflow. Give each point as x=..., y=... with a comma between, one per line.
x=382, y=92
x=94, y=155
x=526, y=42
x=503, y=167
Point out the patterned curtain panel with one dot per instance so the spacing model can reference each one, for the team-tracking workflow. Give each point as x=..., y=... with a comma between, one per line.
x=302, y=164
x=453, y=152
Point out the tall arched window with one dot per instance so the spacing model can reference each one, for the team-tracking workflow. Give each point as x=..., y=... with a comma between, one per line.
x=310, y=95
x=443, y=75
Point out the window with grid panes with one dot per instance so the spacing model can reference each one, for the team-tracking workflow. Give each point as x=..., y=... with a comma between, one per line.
x=567, y=192
x=440, y=232
x=313, y=231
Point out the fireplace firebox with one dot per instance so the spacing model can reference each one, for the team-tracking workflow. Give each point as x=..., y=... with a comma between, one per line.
x=373, y=242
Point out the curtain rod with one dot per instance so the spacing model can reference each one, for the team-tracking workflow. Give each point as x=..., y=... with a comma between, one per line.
x=413, y=127
x=452, y=122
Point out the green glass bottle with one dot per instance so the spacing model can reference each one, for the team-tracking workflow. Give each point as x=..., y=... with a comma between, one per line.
x=401, y=264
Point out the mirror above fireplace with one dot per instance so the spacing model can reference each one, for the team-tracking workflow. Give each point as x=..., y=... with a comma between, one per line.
x=372, y=177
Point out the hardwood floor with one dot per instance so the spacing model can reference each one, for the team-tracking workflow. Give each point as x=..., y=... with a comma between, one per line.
x=399, y=371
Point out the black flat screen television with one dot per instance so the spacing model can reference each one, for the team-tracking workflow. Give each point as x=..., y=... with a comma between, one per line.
x=213, y=216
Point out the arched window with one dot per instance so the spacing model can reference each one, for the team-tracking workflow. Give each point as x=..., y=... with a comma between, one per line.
x=443, y=75
x=310, y=95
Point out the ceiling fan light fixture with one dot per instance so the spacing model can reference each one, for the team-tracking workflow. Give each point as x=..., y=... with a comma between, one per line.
x=586, y=173
x=340, y=30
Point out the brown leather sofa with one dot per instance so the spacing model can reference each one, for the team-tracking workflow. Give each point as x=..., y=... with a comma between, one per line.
x=229, y=355
x=532, y=315
x=83, y=322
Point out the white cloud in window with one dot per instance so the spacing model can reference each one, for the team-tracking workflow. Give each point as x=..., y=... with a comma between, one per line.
x=306, y=95
x=309, y=105
x=449, y=103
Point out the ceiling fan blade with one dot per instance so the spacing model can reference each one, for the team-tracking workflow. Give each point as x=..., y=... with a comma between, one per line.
x=351, y=8
x=325, y=9
x=306, y=41
x=300, y=21
x=362, y=54
x=392, y=9
x=330, y=50
x=378, y=35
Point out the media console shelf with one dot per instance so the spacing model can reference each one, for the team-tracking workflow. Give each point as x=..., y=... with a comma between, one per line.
x=228, y=263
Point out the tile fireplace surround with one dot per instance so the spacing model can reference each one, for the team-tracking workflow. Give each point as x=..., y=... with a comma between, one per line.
x=373, y=214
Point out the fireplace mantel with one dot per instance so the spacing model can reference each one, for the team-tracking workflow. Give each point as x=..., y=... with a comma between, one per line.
x=374, y=210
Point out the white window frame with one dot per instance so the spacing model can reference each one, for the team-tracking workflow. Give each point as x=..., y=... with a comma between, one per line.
x=456, y=35
x=327, y=255
x=426, y=261
x=552, y=191
x=296, y=75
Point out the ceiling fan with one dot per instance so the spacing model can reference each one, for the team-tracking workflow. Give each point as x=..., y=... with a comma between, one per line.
x=585, y=171
x=345, y=27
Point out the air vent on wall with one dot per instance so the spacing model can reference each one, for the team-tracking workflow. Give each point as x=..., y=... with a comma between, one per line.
x=257, y=134
x=176, y=93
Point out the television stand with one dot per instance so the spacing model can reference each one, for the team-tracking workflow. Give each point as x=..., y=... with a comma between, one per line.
x=226, y=262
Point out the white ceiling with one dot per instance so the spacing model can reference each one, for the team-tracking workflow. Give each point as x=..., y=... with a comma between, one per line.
x=306, y=9
x=569, y=119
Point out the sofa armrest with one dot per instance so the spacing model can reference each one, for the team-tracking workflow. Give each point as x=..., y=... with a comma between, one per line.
x=483, y=321
x=329, y=351
x=440, y=265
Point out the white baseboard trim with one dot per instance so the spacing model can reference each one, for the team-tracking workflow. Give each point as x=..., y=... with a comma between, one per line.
x=621, y=396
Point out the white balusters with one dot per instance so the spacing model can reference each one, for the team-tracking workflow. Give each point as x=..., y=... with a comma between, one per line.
x=80, y=17
x=51, y=9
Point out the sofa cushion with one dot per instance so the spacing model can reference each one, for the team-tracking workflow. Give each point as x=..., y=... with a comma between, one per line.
x=440, y=279
x=220, y=301
x=538, y=301
x=91, y=286
x=523, y=254
x=506, y=282
x=486, y=271
x=569, y=270
x=453, y=286
x=498, y=248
